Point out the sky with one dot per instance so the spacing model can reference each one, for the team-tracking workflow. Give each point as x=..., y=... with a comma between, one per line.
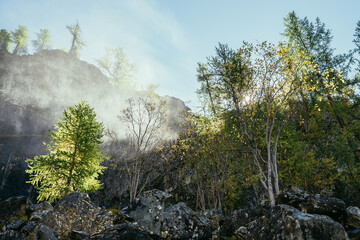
x=167, y=38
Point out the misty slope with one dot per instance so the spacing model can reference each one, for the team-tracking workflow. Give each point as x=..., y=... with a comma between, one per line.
x=34, y=92
x=51, y=81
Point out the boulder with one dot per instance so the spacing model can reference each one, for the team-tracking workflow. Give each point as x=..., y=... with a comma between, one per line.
x=314, y=203
x=241, y=232
x=79, y=235
x=181, y=222
x=40, y=206
x=29, y=228
x=295, y=197
x=11, y=235
x=148, y=210
x=353, y=217
x=286, y=222
x=154, y=214
x=46, y=233
x=13, y=208
x=39, y=215
x=354, y=234
x=124, y=231
x=216, y=217
x=324, y=205
x=17, y=224
x=38, y=211
x=76, y=212
x=231, y=223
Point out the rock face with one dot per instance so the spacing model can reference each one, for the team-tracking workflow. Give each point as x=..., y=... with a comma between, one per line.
x=76, y=212
x=181, y=222
x=13, y=208
x=298, y=215
x=33, y=96
x=13, y=217
x=353, y=217
x=34, y=92
x=46, y=233
x=17, y=224
x=14, y=150
x=154, y=214
x=39, y=211
x=125, y=231
x=286, y=222
x=11, y=235
x=314, y=204
x=148, y=210
x=237, y=219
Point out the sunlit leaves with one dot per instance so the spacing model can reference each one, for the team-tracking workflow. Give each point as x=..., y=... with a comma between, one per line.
x=73, y=163
x=20, y=39
x=208, y=153
x=76, y=43
x=5, y=40
x=43, y=40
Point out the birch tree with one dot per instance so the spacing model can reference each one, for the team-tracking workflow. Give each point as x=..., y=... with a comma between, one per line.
x=144, y=118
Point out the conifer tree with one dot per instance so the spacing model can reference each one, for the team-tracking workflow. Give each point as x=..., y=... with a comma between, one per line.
x=5, y=40
x=20, y=39
x=357, y=42
x=76, y=43
x=73, y=162
x=42, y=40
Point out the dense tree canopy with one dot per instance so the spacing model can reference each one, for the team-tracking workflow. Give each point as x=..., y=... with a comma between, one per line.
x=292, y=108
x=273, y=115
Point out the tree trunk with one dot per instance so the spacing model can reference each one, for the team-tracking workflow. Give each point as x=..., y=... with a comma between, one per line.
x=210, y=96
x=16, y=49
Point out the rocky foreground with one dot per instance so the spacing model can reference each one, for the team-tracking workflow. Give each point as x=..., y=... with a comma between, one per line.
x=298, y=215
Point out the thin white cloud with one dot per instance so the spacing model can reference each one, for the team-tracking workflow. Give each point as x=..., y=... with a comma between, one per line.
x=161, y=21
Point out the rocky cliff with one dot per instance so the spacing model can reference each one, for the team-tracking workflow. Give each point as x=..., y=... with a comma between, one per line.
x=34, y=92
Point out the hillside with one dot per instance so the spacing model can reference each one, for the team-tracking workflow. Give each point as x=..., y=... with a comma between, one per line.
x=34, y=92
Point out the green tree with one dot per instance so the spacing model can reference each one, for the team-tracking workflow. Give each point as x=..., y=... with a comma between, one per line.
x=206, y=90
x=233, y=74
x=313, y=40
x=20, y=39
x=73, y=162
x=208, y=152
x=357, y=43
x=76, y=42
x=330, y=91
x=258, y=83
x=5, y=40
x=42, y=40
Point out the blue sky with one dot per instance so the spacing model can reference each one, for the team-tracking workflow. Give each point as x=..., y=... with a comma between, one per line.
x=166, y=38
